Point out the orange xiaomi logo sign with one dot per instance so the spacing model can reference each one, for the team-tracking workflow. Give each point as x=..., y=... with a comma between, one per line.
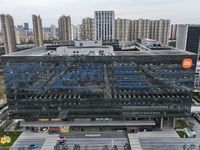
x=187, y=63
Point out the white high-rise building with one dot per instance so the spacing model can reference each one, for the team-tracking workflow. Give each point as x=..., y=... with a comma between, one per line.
x=73, y=32
x=104, y=25
x=79, y=32
x=53, y=30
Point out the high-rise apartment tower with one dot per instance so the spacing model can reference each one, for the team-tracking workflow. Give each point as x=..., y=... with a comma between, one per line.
x=37, y=31
x=173, y=31
x=64, y=24
x=132, y=30
x=7, y=26
x=18, y=37
x=88, y=29
x=122, y=29
x=79, y=32
x=53, y=29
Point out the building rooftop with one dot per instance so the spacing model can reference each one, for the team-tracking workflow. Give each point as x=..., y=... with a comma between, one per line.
x=42, y=51
x=96, y=48
x=155, y=52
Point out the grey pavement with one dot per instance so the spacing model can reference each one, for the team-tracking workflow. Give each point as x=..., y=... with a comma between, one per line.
x=27, y=134
x=134, y=142
x=195, y=109
x=26, y=142
x=49, y=143
x=89, y=141
x=168, y=136
x=43, y=140
x=4, y=114
x=96, y=143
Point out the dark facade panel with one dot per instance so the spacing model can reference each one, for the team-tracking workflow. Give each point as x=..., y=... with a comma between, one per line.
x=193, y=40
x=118, y=87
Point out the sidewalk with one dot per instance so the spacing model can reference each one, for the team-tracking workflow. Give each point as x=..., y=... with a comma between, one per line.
x=167, y=132
x=49, y=143
x=134, y=142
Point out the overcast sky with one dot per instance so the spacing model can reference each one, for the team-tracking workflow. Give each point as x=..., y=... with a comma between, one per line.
x=178, y=11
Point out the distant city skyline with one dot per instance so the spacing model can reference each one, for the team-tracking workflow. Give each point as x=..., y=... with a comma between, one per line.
x=178, y=11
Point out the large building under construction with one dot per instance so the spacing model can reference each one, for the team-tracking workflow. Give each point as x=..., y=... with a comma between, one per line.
x=96, y=86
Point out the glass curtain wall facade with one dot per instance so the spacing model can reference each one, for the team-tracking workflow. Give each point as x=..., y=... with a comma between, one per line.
x=118, y=87
x=193, y=40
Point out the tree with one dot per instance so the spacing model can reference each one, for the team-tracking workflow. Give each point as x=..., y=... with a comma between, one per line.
x=192, y=146
x=114, y=147
x=105, y=147
x=57, y=147
x=184, y=147
x=76, y=147
x=65, y=147
x=199, y=146
x=172, y=44
x=127, y=146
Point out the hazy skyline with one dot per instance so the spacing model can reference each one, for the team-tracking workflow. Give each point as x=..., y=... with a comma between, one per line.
x=178, y=11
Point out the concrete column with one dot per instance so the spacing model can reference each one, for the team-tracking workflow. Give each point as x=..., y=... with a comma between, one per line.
x=161, y=123
x=173, y=122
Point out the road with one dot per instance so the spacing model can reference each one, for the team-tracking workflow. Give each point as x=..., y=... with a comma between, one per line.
x=97, y=143
x=89, y=141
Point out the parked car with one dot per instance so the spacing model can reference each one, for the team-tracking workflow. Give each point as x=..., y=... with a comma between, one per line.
x=32, y=146
x=60, y=143
x=61, y=138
